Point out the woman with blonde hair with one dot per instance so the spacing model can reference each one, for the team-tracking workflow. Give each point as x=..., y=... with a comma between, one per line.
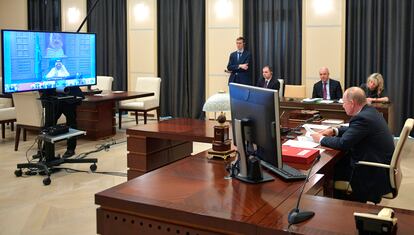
x=374, y=89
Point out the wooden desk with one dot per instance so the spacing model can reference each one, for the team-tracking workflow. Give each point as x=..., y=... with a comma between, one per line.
x=191, y=196
x=96, y=114
x=334, y=110
x=154, y=145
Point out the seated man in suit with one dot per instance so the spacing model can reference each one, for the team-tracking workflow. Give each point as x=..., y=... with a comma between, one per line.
x=366, y=139
x=239, y=63
x=267, y=81
x=327, y=88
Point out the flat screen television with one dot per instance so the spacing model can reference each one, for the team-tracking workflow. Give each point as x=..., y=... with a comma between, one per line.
x=34, y=60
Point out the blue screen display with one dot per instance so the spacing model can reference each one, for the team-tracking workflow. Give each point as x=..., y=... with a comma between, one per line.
x=44, y=60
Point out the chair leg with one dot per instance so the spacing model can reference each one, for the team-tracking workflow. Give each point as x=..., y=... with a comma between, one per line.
x=12, y=126
x=3, y=131
x=136, y=117
x=145, y=117
x=24, y=134
x=158, y=113
x=16, y=139
x=119, y=119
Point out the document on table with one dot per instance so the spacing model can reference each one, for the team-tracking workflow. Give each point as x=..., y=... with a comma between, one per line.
x=301, y=143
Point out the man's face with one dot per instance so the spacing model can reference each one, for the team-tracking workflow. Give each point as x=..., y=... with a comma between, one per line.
x=240, y=45
x=266, y=73
x=324, y=75
x=348, y=105
x=58, y=65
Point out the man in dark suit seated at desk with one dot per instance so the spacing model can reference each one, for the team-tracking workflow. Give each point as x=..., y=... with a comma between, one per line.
x=327, y=88
x=268, y=81
x=239, y=62
x=366, y=139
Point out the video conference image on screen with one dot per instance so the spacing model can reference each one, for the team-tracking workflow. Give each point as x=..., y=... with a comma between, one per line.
x=44, y=60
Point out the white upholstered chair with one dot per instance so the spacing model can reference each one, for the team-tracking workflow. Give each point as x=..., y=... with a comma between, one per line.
x=29, y=114
x=282, y=87
x=104, y=83
x=145, y=104
x=295, y=91
x=7, y=113
x=395, y=172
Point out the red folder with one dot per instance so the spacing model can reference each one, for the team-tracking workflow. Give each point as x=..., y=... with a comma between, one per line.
x=298, y=155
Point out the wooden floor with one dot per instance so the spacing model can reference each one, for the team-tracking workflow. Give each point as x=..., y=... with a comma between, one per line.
x=67, y=205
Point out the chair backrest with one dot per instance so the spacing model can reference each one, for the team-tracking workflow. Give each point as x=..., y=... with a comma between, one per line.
x=149, y=84
x=4, y=102
x=282, y=88
x=395, y=169
x=29, y=110
x=295, y=91
x=104, y=83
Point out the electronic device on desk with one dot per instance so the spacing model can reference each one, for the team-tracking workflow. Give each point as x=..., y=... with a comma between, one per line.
x=382, y=223
x=56, y=130
x=256, y=132
x=92, y=92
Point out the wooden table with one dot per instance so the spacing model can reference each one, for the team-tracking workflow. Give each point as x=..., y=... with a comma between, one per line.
x=334, y=110
x=96, y=114
x=154, y=145
x=191, y=196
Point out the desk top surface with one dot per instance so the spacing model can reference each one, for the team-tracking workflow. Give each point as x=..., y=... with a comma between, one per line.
x=194, y=191
x=116, y=95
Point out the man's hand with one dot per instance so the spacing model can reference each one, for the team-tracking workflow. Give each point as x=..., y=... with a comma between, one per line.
x=328, y=132
x=244, y=66
x=316, y=137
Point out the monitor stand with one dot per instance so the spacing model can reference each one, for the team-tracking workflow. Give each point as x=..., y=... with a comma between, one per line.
x=250, y=169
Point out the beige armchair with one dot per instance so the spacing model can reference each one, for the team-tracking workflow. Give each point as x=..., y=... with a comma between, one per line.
x=146, y=104
x=394, y=168
x=295, y=91
x=7, y=116
x=29, y=114
x=104, y=83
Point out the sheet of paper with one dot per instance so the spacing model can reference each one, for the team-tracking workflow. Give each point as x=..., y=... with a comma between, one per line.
x=311, y=99
x=326, y=101
x=316, y=127
x=301, y=144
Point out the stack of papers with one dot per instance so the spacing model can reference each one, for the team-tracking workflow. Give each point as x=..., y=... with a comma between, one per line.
x=332, y=121
x=326, y=101
x=309, y=100
x=301, y=144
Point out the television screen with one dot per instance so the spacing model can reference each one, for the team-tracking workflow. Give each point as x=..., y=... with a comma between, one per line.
x=44, y=60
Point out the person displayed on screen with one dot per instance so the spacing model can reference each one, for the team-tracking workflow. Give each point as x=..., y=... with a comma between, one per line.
x=59, y=71
x=55, y=46
x=367, y=138
x=374, y=88
x=268, y=81
x=327, y=88
x=239, y=62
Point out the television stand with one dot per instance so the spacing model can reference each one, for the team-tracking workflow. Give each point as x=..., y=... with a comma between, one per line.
x=47, y=159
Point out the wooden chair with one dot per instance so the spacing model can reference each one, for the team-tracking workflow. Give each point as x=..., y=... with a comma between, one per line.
x=146, y=104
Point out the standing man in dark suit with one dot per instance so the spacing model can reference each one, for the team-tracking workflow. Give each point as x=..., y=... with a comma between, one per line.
x=239, y=63
x=366, y=139
x=267, y=81
x=327, y=88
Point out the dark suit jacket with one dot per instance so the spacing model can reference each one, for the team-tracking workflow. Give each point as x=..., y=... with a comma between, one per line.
x=367, y=139
x=273, y=83
x=335, y=90
x=239, y=75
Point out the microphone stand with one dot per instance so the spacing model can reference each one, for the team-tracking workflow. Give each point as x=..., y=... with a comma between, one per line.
x=295, y=215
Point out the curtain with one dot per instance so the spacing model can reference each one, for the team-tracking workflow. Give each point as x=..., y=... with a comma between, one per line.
x=380, y=39
x=181, y=56
x=44, y=15
x=273, y=32
x=108, y=21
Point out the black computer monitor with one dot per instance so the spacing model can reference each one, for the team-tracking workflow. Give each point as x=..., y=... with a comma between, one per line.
x=261, y=107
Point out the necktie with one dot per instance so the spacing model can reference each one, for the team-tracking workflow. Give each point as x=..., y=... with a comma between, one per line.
x=238, y=55
x=266, y=83
x=325, y=93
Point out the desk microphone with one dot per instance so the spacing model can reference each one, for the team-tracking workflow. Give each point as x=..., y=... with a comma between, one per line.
x=295, y=215
x=297, y=131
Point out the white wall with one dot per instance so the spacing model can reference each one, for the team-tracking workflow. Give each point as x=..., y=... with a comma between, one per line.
x=73, y=13
x=323, y=40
